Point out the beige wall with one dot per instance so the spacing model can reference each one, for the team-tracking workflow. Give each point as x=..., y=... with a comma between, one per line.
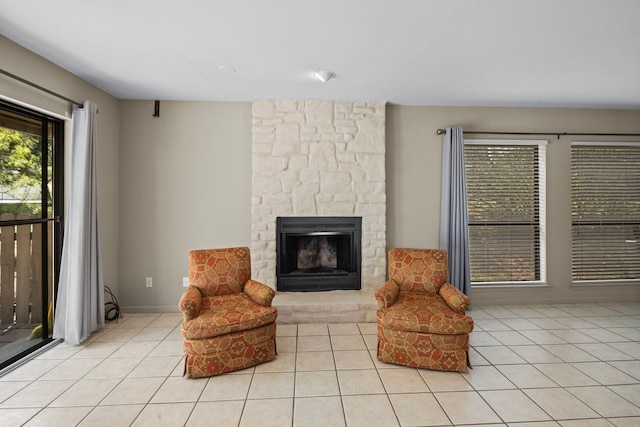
x=26, y=64
x=413, y=185
x=185, y=184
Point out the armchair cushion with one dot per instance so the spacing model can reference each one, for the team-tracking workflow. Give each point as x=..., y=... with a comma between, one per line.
x=225, y=314
x=418, y=270
x=455, y=299
x=424, y=313
x=219, y=271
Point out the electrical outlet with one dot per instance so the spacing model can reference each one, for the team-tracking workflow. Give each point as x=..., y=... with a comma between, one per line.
x=149, y=282
x=185, y=282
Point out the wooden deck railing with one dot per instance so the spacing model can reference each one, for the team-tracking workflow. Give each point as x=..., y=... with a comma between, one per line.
x=21, y=271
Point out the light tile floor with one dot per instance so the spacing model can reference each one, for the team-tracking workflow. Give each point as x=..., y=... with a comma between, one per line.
x=535, y=365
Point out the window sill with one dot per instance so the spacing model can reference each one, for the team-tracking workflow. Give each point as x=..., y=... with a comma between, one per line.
x=586, y=283
x=484, y=285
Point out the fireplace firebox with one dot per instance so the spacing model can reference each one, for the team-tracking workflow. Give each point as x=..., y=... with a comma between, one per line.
x=318, y=253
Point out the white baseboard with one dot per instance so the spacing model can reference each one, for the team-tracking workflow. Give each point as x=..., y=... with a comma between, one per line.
x=149, y=309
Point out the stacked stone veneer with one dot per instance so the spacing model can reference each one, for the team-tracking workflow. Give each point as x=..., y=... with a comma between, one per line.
x=319, y=158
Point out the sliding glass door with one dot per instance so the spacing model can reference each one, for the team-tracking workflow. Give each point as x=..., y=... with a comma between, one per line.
x=30, y=228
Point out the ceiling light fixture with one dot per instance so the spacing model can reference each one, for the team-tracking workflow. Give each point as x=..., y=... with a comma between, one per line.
x=324, y=75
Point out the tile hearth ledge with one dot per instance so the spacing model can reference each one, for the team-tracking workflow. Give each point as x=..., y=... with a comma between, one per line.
x=325, y=307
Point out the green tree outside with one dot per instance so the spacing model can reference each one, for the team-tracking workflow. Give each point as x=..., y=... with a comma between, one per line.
x=21, y=172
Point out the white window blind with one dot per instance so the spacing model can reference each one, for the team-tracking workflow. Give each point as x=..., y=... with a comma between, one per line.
x=506, y=208
x=605, y=211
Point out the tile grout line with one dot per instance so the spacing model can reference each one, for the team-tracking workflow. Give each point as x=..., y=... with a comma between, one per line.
x=145, y=405
x=395, y=413
x=511, y=382
x=295, y=375
x=246, y=397
x=335, y=370
x=93, y=407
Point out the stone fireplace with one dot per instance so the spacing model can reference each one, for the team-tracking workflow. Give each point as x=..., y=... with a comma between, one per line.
x=319, y=159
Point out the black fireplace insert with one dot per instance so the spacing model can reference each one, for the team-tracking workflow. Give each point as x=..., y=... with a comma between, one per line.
x=318, y=253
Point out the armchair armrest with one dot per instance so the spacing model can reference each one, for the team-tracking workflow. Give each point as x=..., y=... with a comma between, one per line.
x=455, y=299
x=190, y=303
x=387, y=294
x=259, y=293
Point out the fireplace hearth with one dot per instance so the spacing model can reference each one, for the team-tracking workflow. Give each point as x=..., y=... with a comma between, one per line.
x=318, y=253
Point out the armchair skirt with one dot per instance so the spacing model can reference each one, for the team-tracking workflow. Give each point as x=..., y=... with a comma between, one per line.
x=230, y=352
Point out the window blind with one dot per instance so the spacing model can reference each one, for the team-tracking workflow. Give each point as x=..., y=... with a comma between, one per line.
x=506, y=206
x=605, y=211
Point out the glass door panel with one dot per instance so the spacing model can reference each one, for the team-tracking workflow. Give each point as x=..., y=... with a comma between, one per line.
x=29, y=143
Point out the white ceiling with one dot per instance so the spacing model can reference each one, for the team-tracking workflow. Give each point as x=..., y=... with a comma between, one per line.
x=546, y=53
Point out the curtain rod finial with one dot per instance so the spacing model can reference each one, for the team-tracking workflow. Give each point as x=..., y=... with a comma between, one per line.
x=441, y=131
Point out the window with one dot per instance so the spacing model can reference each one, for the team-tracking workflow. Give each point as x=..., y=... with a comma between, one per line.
x=605, y=211
x=506, y=208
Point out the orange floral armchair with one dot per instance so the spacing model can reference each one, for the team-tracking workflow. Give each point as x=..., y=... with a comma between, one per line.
x=421, y=318
x=229, y=323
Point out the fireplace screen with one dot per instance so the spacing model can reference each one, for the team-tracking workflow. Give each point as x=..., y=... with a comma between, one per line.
x=318, y=253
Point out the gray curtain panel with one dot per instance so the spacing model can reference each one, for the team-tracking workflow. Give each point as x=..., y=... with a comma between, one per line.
x=454, y=226
x=80, y=300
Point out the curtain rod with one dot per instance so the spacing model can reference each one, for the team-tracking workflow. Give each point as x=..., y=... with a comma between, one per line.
x=37, y=86
x=558, y=134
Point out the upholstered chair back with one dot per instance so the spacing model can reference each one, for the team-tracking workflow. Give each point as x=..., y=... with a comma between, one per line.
x=418, y=270
x=219, y=271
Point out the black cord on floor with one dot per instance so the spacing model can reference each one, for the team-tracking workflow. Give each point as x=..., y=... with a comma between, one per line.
x=111, y=308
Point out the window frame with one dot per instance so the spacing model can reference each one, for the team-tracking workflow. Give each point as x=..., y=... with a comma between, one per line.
x=51, y=127
x=540, y=184
x=608, y=281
